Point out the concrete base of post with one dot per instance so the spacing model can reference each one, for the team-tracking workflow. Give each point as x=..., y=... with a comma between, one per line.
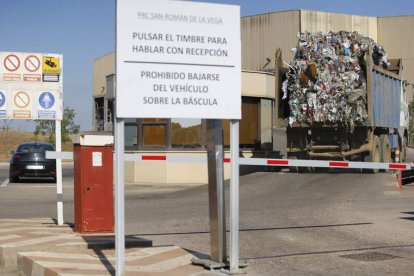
x=209, y=264
x=222, y=267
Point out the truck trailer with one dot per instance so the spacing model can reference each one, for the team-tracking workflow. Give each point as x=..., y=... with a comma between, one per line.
x=375, y=140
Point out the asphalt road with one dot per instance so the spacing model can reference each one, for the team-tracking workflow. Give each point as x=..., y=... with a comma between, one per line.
x=334, y=223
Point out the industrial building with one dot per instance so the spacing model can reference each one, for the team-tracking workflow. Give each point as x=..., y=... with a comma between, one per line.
x=261, y=36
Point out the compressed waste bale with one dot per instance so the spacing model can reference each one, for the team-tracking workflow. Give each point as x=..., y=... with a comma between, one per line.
x=326, y=81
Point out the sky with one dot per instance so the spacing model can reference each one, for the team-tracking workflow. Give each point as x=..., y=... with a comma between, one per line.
x=83, y=30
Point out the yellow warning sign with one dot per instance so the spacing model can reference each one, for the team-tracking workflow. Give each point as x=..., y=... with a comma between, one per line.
x=51, y=65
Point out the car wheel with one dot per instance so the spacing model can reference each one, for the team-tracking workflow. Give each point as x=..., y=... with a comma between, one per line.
x=14, y=179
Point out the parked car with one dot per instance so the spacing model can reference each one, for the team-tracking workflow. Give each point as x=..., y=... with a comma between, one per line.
x=29, y=161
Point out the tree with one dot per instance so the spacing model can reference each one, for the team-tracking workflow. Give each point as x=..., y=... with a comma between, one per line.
x=6, y=127
x=68, y=126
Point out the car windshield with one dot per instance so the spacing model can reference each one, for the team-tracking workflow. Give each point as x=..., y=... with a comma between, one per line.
x=34, y=148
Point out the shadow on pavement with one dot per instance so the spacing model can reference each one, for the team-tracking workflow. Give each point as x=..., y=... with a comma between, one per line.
x=259, y=229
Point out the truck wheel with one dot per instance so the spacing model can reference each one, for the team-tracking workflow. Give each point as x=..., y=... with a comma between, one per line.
x=403, y=149
x=374, y=155
x=385, y=148
x=305, y=169
x=295, y=169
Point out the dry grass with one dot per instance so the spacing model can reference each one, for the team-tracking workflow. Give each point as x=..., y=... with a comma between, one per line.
x=11, y=138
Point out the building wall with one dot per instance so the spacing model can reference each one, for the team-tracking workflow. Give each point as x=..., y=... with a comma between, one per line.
x=254, y=84
x=258, y=84
x=396, y=34
x=102, y=67
x=316, y=21
x=262, y=34
x=164, y=172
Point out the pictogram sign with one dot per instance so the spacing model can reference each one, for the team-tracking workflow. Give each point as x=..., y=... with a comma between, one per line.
x=3, y=106
x=11, y=63
x=51, y=65
x=22, y=99
x=2, y=99
x=32, y=63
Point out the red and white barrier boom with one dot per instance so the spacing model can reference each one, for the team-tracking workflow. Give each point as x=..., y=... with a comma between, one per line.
x=179, y=158
x=324, y=164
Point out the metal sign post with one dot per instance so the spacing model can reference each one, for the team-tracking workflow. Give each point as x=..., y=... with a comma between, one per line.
x=234, y=197
x=59, y=185
x=179, y=59
x=119, y=197
x=217, y=209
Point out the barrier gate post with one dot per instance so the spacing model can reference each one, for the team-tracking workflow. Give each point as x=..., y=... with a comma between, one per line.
x=216, y=192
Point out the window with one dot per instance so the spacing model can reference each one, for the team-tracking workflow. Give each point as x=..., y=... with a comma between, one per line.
x=249, y=124
x=99, y=114
x=131, y=134
x=186, y=133
x=154, y=133
x=35, y=148
x=266, y=125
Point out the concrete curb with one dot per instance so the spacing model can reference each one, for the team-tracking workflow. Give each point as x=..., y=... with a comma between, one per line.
x=36, y=247
x=25, y=235
x=166, y=260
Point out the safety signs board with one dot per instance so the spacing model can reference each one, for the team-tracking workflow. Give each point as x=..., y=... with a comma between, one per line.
x=31, y=86
x=178, y=59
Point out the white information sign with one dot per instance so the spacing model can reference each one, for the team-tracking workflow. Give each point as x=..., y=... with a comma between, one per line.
x=96, y=159
x=31, y=86
x=178, y=59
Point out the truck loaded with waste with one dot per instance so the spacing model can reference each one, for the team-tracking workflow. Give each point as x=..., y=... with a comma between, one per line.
x=341, y=98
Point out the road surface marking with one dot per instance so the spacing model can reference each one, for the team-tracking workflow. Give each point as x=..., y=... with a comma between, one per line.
x=5, y=183
x=60, y=255
x=9, y=237
x=39, y=186
x=37, y=240
x=25, y=228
